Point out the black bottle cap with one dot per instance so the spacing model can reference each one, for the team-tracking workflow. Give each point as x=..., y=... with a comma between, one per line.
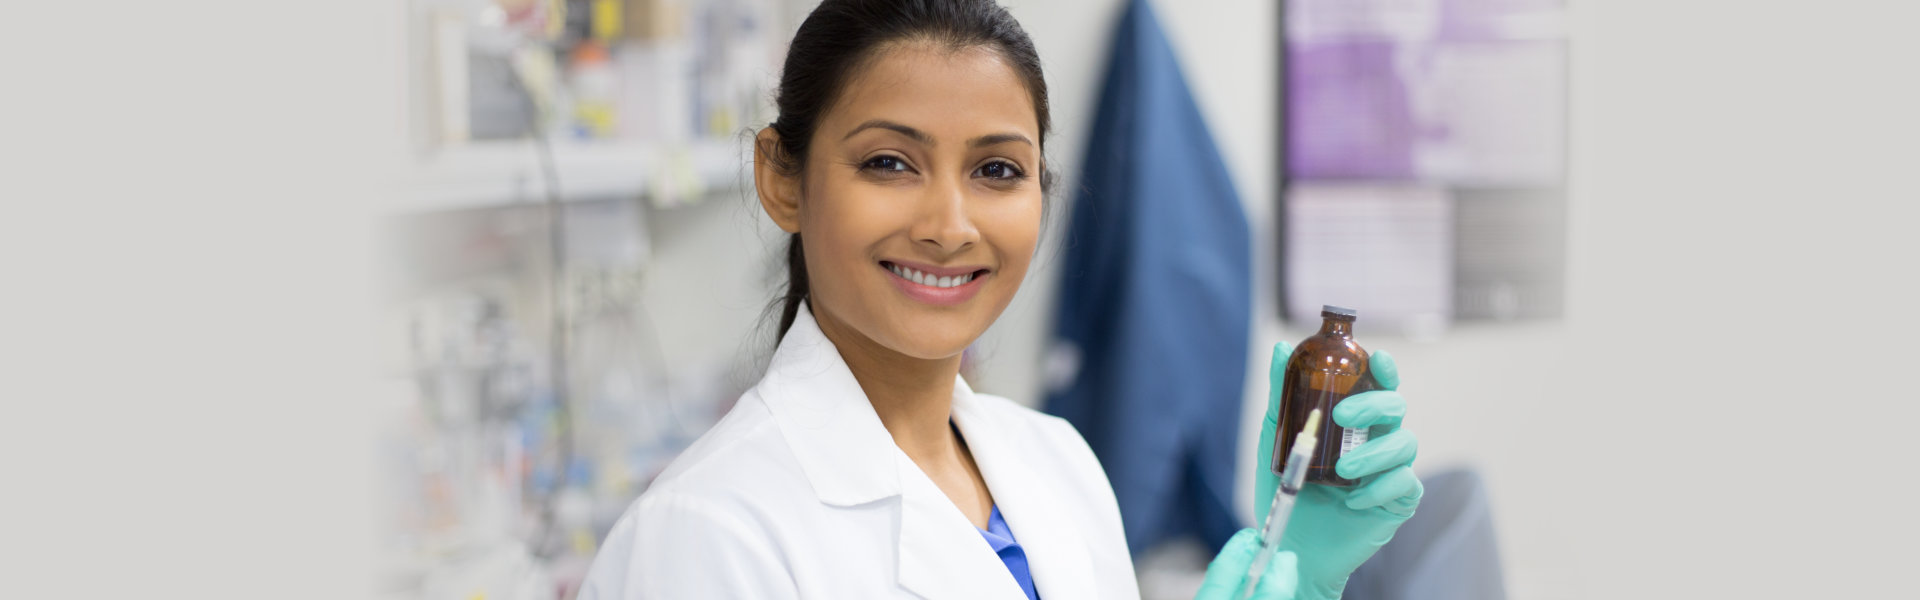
x=1338, y=312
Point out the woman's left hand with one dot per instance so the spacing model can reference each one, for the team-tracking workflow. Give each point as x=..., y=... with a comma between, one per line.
x=1227, y=574
x=1334, y=529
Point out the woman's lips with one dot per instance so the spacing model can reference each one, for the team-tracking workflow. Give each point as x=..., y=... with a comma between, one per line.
x=902, y=274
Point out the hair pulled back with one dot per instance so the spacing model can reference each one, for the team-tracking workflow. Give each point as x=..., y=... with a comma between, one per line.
x=842, y=36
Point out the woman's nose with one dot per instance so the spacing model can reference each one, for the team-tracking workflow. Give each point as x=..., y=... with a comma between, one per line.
x=942, y=220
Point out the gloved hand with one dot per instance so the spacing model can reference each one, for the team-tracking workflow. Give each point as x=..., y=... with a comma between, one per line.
x=1333, y=530
x=1228, y=571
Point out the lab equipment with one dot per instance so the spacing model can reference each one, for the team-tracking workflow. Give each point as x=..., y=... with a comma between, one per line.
x=1291, y=478
x=1334, y=529
x=1326, y=369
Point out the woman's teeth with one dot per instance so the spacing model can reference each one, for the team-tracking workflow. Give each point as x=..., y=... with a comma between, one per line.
x=925, y=279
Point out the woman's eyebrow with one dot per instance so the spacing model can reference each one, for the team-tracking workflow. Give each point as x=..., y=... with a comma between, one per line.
x=998, y=138
x=910, y=132
x=922, y=137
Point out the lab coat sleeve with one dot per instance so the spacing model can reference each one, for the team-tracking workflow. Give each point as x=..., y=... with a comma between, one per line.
x=673, y=546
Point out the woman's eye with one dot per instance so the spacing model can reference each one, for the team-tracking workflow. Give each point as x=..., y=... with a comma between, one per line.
x=884, y=163
x=999, y=170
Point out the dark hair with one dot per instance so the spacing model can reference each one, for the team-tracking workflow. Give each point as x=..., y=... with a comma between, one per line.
x=839, y=38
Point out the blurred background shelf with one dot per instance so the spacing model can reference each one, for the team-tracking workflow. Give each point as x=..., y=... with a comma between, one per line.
x=546, y=361
x=509, y=172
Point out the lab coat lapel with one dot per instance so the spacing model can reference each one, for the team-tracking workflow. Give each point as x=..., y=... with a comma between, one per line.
x=820, y=409
x=1056, y=554
x=942, y=554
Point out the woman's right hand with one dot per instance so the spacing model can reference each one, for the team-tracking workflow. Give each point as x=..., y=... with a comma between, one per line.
x=1228, y=571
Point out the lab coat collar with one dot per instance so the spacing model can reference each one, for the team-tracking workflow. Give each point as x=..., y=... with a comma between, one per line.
x=825, y=417
x=850, y=459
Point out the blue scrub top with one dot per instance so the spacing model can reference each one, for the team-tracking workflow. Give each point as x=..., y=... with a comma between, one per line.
x=1001, y=538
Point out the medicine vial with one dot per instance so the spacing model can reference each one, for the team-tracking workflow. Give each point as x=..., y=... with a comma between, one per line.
x=1325, y=369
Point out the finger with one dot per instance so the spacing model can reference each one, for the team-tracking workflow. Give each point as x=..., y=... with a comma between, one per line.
x=1264, y=481
x=1230, y=566
x=1282, y=578
x=1371, y=409
x=1379, y=454
x=1276, y=373
x=1397, y=490
x=1386, y=371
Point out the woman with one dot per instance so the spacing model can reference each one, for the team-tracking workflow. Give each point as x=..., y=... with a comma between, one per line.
x=907, y=162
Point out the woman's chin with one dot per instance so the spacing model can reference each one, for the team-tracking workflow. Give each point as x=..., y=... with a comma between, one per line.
x=921, y=347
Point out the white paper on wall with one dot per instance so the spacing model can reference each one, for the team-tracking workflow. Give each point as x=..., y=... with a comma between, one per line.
x=1385, y=250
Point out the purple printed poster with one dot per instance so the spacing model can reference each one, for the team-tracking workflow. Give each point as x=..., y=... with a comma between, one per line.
x=1447, y=91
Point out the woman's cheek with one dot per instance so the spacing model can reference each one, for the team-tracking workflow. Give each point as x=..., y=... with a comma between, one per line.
x=1017, y=234
x=1023, y=224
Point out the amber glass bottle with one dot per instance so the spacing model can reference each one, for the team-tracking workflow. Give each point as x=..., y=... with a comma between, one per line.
x=1324, y=370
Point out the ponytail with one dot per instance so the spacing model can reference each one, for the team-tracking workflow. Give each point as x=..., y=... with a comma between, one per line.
x=796, y=286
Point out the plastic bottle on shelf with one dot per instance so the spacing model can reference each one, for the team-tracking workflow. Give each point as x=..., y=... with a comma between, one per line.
x=595, y=86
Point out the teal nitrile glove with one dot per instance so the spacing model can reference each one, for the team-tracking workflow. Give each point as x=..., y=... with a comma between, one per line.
x=1229, y=570
x=1333, y=530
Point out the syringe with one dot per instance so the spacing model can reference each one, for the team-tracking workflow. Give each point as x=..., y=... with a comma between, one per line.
x=1291, y=478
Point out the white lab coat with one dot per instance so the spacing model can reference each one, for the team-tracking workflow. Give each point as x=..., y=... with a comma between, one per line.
x=799, y=492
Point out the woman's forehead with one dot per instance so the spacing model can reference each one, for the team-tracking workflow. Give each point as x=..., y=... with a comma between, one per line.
x=944, y=92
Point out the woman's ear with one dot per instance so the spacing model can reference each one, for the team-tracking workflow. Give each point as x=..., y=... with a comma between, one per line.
x=779, y=191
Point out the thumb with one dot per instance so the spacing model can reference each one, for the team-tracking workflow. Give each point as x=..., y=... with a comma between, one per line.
x=1264, y=481
x=1228, y=568
x=1228, y=571
x=1282, y=579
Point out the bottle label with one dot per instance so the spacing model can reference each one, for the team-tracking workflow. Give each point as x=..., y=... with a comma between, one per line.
x=1351, y=438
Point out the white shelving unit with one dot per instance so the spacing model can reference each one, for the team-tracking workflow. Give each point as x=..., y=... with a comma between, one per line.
x=701, y=58
x=500, y=173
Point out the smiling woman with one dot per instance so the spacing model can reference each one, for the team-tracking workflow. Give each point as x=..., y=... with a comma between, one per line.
x=908, y=164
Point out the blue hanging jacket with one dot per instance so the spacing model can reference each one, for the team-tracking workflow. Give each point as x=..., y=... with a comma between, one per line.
x=1155, y=300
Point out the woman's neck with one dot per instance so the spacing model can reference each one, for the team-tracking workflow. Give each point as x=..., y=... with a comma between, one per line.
x=913, y=396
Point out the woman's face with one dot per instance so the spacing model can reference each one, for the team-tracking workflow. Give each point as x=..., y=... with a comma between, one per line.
x=921, y=204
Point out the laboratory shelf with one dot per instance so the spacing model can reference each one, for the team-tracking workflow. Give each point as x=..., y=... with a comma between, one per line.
x=507, y=172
